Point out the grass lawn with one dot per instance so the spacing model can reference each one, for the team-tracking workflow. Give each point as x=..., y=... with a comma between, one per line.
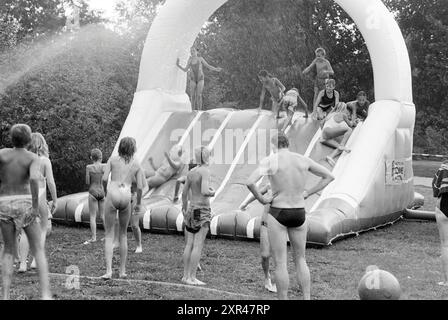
x=408, y=249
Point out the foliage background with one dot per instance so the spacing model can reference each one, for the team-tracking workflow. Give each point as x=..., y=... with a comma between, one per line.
x=77, y=88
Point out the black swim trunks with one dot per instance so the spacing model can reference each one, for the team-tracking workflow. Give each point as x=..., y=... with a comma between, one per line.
x=444, y=204
x=289, y=217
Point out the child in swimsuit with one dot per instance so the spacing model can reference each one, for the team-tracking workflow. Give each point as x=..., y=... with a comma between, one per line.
x=172, y=164
x=337, y=124
x=94, y=174
x=123, y=170
x=39, y=146
x=265, y=247
x=322, y=70
x=196, y=76
x=275, y=88
x=326, y=100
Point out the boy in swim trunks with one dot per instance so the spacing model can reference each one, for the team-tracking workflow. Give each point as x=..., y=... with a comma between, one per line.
x=289, y=103
x=265, y=248
x=287, y=172
x=326, y=100
x=322, y=70
x=123, y=169
x=275, y=88
x=197, y=214
x=19, y=206
x=94, y=174
x=170, y=166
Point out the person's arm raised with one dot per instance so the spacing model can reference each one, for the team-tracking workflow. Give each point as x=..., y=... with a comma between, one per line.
x=186, y=67
x=208, y=66
x=308, y=69
x=174, y=164
x=319, y=171
x=280, y=85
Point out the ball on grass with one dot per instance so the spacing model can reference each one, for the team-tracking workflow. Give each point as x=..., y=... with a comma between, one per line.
x=377, y=284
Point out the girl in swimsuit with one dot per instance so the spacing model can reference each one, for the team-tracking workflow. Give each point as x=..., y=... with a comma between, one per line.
x=440, y=190
x=196, y=76
x=94, y=173
x=123, y=170
x=337, y=124
x=326, y=100
x=39, y=146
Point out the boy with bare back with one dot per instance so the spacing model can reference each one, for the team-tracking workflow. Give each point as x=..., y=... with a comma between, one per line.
x=275, y=88
x=123, y=170
x=19, y=206
x=94, y=174
x=197, y=213
x=287, y=172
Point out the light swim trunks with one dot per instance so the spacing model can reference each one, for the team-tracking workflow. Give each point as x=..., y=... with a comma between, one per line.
x=17, y=209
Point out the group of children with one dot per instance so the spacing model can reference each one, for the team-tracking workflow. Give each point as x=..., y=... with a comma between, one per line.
x=337, y=118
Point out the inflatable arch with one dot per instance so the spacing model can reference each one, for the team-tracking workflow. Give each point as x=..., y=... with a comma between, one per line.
x=374, y=183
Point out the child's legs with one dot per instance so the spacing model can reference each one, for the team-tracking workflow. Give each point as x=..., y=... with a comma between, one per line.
x=110, y=216
x=93, y=207
x=123, y=219
x=33, y=232
x=9, y=239
x=189, y=237
x=193, y=94
x=198, y=244
x=199, y=90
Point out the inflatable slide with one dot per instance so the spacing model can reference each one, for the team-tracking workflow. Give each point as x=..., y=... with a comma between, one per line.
x=374, y=182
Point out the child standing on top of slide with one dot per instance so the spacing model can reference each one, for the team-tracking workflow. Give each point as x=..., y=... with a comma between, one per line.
x=94, y=173
x=275, y=88
x=170, y=166
x=322, y=71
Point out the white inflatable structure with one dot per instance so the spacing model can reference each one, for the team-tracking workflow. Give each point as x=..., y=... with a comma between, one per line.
x=373, y=183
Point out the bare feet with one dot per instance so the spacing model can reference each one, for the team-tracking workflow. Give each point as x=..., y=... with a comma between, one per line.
x=107, y=276
x=269, y=286
x=194, y=282
x=123, y=275
x=139, y=249
x=33, y=264
x=443, y=283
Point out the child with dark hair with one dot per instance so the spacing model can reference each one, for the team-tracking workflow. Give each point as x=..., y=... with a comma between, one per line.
x=123, y=171
x=94, y=174
x=360, y=107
